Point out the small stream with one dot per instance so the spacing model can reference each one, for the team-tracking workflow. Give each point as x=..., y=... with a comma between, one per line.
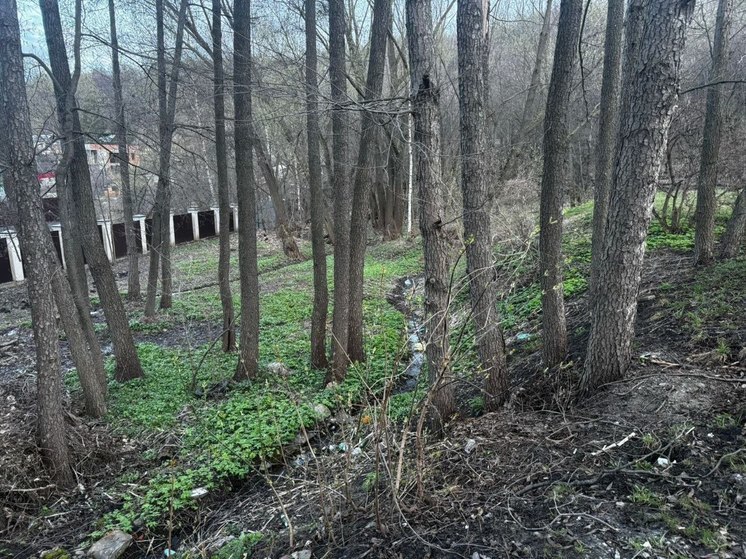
x=402, y=299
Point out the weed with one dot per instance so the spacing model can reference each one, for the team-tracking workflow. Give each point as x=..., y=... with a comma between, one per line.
x=641, y=495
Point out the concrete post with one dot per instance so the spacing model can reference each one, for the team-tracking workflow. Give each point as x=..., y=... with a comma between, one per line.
x=216, y=213
x=235, y=218
x=58, y=228
x=140, y=219
x=171, y=230
x=195, y=223
x=14, y=252
x=108, y=238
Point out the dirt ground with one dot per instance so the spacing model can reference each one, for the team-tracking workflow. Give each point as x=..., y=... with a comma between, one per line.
x=652, y=466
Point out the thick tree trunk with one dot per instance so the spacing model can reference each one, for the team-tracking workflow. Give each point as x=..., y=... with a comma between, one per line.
x=342, y=194
x=128, y=363
x=655, y=39
x=531, y=107
x=130, y=228
x=471, y=24
x=289, y=246
x=554, y=184
x=704, y=232
x=246, y=189
x=362, y=182
x=318, y=246
x=608, y=129
x=224, y=199
x=431, y=191
x=730, y=244
x=32, y=233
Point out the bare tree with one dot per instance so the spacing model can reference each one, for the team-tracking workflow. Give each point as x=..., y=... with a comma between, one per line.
x=128, y=363
x=431, y=191
x=471, y=28
x=655, y=38
x=32, y=233
x=289, y=246
x=246, y=189
x=553, y=184
x=362, y=183
x=130, y=227
x=531, y=107
x=608, y=129
x=342, y=194
x=161, y=245
x=704, y=232
x=731, y=242
x=224, y=201
x=320, y=288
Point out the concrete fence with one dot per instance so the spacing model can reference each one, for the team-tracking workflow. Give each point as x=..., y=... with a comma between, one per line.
x=193, y=225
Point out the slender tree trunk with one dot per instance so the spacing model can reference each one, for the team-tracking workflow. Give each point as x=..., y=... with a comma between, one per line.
x=531, y=107
x=318, y=246
x=655, y=39
x=161, y=243
x=130, y=228
x=608, y=130
x=342, y=194
x=471, y=23
x=74, y=263
x=289, y=246
x=704, y=232
x=431, y=191
x=362, y=183
x=32, y=233
x=554, y=182
x=249, y=347
x=128, y=363
x=731, y=242
x=224, y=199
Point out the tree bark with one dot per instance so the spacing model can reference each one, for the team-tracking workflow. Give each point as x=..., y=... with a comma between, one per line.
x=128, y=363
x=554, y=182
x=32, y=233
x=655, y=39
x=130, y=228
x=704, y=232
x=318, y=246
x=342, y=194
x=608, y=130
x=224, y=200
x=730, y=244
x=289, y=246
x=471, y=22
x=431, y=191
x=246, y=189
x=531, y=107
x=362, y=182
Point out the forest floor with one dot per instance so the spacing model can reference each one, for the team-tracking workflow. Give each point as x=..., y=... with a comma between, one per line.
x=651, y=466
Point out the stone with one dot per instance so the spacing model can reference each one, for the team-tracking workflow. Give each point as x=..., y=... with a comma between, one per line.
x=279, y=369
x=322, y=412
x=111, y=546
x=303, y=554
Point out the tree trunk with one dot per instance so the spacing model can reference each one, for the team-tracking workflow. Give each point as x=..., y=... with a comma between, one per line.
x=655, y=39
x=224, y=199
x=32, y=233
x=431, y=191
x=130, y=228
x=730, y=244
x=342, y=194
x=246, y=189
x=362, y=182
x=704, y=232
x=531, y=107
x=128, y=363
x=608, y=129
x=471, y=23
x=289, y=246
x=318, y=246
x=554, y=183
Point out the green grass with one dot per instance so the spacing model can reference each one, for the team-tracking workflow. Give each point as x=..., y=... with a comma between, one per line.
x=221, y=442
